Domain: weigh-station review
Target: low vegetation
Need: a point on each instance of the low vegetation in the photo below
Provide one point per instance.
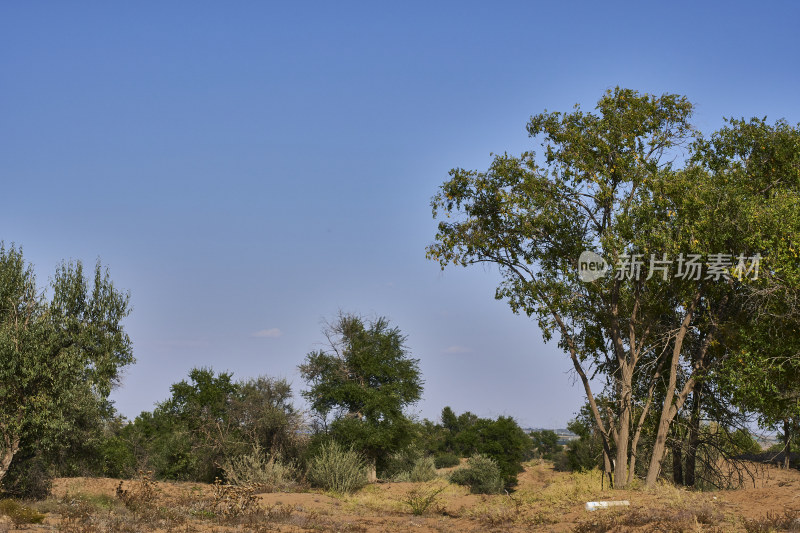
(422, 499)
(446, 460)
(544, 499)
(267, 473)
(20, 514)
(481, 475)
(337, 469)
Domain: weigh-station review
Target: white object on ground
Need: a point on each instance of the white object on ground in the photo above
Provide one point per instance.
(594, 506)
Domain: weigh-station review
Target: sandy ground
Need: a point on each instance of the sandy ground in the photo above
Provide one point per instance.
(544, 501)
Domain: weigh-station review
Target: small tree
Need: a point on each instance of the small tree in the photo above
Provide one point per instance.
(201, 410)
(364, 379)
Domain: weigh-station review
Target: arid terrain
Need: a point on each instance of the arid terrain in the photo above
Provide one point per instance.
(545, 501)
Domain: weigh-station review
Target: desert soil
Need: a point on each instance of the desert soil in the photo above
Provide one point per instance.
(544, 501)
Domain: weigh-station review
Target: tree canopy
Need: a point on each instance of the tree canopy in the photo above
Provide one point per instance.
(59, 357)
(364, 378)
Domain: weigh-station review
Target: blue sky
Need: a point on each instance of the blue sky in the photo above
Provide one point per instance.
(248, 169)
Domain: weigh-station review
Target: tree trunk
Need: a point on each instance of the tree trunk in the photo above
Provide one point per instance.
(621, 462)
(694, 436)
(660, 445)
(787, 439)
(668, 412)
(607, 468)
(677, 464)
(372, 471)
(642, 417)
(573, 355)
(669, 409)
(10, 448)
(632, 462)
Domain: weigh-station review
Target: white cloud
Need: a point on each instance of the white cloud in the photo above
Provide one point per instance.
(456, 350)
(270, 333)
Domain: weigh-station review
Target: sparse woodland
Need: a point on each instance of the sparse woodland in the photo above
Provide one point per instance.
(687, 367)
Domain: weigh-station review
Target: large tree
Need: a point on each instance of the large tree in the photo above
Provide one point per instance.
(608, 182)
(364, 379)
(57, 355)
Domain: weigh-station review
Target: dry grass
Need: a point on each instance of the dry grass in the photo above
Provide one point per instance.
(545, 501)
(422, 499)
(665, 519)
(787, 521)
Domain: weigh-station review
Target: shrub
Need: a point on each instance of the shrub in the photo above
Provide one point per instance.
(141, 495)
(337, 469)
(583, 454)
(19, 514)
(231, 501)
(30, 477)
(481, 475)
(423, 470)
(256, 469)
(446, 460)
(400, 463)
(562, 463)
(502, 440)
(586, 452)
(117, 458)
(788, 521)
(420, 499)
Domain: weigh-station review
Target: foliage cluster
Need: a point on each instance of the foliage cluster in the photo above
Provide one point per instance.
(545, 442)
(360, 384)
(446, 460)
(482, 475)
(19, 513)
(210, 422)
(467, 434)
(62, 350)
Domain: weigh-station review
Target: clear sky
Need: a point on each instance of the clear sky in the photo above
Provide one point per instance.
(248, 169)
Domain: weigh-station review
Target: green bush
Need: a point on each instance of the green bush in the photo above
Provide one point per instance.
(585, 452)
(400, 463)
(423, 470)
(337, 469)
(502, 440)
(446, 460)
(420, 499)
(561, 462)
(30, 476)
(581, 455)
(268, 473)
(19, 514)
(481, 475)
(117, 457)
